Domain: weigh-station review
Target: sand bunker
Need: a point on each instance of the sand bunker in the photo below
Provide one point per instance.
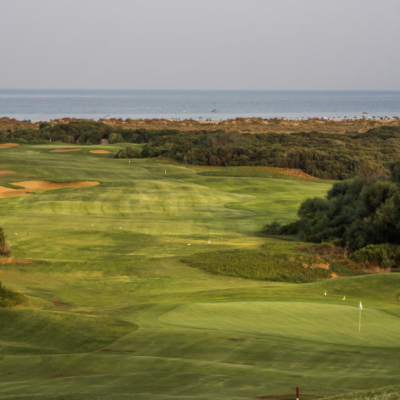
(30, 186)
(63, 150)
(100, 151)
(8, 145)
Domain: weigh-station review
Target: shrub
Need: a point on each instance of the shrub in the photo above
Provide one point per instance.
(387, 254)
(276, 228)
(8, 297)
(5, 249)
(44, 125)
(128, 152)
(345, 270)
(115, 138)
(272, 228)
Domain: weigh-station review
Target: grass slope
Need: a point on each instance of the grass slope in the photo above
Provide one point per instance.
(111, 256)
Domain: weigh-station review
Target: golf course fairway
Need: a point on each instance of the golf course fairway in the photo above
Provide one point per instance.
(112, 312)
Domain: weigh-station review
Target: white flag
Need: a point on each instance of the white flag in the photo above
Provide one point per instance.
(360, 305)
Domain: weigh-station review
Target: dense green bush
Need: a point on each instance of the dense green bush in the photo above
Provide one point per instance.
(354, 214)
(8, 297)
(115, 138)
(276, 228)
(387, 254)
(128, 152)
(5, 249)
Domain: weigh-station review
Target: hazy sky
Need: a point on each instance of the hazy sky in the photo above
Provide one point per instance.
(200, 44)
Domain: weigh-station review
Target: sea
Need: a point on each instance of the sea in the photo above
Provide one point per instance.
(46, 105)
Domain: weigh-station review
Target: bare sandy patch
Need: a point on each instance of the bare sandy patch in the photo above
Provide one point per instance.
(63, 150)
(100, 151)
(57, 303)
(12, 261)
(8, 145)
(5, 172)
(30, 186)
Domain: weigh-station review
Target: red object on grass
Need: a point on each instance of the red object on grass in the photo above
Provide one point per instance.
(297, 392)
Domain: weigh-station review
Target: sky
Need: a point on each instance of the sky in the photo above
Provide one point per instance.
(200, 44)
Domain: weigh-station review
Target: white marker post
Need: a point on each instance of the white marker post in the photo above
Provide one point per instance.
(359, 321)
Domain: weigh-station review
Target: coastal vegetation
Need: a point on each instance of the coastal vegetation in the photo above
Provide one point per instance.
(322, 155)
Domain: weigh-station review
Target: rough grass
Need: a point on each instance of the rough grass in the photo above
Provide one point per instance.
(258, 172)
(386, 393)
(254, 264)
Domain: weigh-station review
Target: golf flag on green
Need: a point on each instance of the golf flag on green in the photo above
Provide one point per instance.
(359, 322)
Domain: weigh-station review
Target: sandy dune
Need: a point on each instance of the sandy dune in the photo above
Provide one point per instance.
(30, 186)
(63, 150)
(8, 145)
(100, 151)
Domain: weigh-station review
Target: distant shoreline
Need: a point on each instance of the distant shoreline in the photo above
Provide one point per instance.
(242, 125)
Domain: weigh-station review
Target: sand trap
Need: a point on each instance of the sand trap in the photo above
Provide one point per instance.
(30, 186)
(100, 151)
(8, 145)
(63, 150)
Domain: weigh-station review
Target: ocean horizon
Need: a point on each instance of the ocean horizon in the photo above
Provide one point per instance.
(50, 104)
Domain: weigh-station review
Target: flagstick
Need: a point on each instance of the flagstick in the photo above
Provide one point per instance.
(359, 322)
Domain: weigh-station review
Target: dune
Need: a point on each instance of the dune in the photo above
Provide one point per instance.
(30, 186)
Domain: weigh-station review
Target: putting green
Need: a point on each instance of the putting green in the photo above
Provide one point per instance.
(326, 323)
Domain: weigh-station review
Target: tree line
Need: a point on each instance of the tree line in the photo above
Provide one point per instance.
(326, 156)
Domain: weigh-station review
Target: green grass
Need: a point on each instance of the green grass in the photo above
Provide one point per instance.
(138, 323)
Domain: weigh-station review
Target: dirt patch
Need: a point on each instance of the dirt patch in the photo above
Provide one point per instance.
(63, 150)
(5, 172)
(57, 303)
(30, 186)
(319, 265)
(8, 145)
(12, 261)
(99, 151)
